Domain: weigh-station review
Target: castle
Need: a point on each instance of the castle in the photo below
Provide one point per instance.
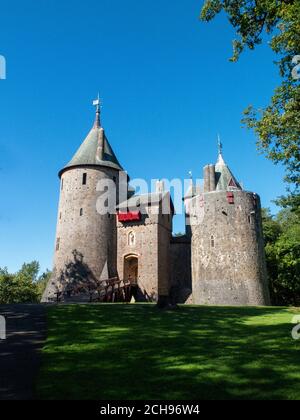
(219, 260)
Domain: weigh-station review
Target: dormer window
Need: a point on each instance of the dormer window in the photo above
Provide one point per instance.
(232, 183)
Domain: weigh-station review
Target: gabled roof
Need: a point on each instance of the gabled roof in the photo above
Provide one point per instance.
(95, 150)
(144, 199)
(224, 177)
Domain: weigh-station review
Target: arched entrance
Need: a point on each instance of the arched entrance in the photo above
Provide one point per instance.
(131, 267)
(131, 270)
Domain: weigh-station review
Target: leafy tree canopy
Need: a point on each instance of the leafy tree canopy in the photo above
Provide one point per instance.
(25, 286)
(282, 235)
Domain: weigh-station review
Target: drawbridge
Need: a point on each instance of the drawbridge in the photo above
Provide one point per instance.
(106, 291)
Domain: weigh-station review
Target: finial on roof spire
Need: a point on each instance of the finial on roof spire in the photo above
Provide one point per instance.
(220, 152)
(97, 104)
(220, 145)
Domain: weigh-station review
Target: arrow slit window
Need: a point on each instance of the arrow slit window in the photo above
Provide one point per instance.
(131, 238)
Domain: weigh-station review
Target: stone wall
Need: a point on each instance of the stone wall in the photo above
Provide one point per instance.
(152, 247)
(84, 238)
(228, 264)
(164, 261)
(181, 276)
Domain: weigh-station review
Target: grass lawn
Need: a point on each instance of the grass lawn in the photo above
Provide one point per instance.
(134, 351)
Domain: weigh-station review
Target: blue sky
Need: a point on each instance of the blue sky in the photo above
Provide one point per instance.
(167, 88)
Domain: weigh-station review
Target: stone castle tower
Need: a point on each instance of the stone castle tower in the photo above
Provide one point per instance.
(144, 243)
(228, 263)
(219, 261)
(86, 241)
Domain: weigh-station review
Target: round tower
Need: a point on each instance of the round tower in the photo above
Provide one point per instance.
(86, 239)
(228, 260)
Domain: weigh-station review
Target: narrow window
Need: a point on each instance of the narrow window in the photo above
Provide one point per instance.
(59, 215)
(81, 212)
(62, 184)
(251, 218)
(131, 239)
(84, 177)
(57, 244)
(212, 241)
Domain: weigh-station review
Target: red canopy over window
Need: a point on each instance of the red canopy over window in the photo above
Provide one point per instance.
(131, 216)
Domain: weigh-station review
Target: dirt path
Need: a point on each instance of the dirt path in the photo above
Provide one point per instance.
(19, 353)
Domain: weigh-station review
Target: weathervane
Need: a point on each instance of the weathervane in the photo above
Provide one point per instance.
(97, 104)
(220, 145)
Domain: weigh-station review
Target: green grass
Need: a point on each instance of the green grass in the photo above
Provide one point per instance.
(138, 352)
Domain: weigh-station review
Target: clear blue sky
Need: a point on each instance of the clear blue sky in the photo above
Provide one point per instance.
(167, 87)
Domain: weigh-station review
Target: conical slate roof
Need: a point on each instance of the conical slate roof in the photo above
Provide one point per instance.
(225, 180)
(95, 150)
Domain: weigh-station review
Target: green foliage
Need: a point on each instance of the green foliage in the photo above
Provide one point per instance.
(278, 125)
(42, 282)
(278, 130)
(271, 228)
(282, 235)
(178, 234)
(291, 202)
(22, 287)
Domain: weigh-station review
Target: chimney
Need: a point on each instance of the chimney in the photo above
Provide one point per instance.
(160, 187)
(206, 179)
(212, 178)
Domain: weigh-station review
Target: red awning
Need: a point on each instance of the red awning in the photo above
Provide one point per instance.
(131, 216)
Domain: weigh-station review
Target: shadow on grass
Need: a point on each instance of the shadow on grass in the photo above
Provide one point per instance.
(138, 352)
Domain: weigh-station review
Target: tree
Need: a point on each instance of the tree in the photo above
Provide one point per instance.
(271, 227)
(42, 282)
(283, 256)
(278, 125)
(21, 287)
(8, 287)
